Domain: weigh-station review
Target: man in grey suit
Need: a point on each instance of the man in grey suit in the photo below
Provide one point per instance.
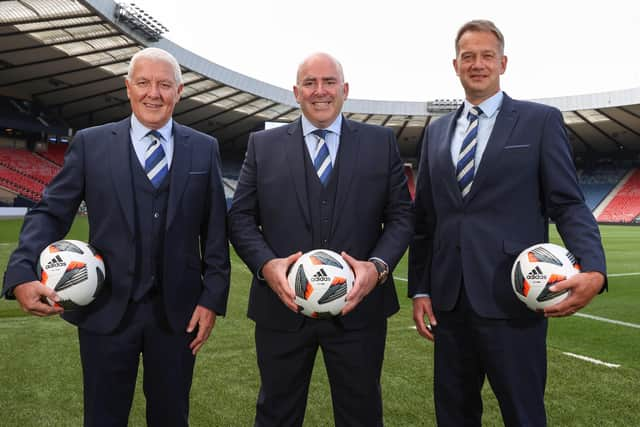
(491, 176)
(157, 215)
(359, 205)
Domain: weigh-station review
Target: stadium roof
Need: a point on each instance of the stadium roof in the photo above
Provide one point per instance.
(70, 57)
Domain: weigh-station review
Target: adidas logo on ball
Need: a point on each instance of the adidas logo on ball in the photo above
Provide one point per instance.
(536, 274)
(57, 261)
(320, 276)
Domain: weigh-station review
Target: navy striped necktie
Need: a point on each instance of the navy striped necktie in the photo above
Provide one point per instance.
(322, 159)
(465, 169)
(155, 161)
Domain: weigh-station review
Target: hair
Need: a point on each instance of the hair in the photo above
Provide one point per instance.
(156, 54)
(483, 25)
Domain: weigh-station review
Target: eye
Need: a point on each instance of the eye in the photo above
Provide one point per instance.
(166, 85)
(142, 84)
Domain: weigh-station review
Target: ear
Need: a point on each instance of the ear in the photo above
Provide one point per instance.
(127, 83)
(345, 89)
(455, 66)
(503, 64)
(296, 93)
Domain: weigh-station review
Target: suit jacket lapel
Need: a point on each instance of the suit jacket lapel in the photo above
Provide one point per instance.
(179, 169)
(506, 120)
(346, 159)
(295, 151)
(120, 168)
(443, 157)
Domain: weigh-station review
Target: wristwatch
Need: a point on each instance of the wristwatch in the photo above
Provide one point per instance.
(382, 268)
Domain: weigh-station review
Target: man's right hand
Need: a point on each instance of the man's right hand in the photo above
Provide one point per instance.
(424, 318)
(32, 297)
(274, 272)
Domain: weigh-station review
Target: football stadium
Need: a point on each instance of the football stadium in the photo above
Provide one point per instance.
(62, 66)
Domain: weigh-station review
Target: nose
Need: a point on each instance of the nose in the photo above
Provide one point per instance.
(154, 90)
(321, 88)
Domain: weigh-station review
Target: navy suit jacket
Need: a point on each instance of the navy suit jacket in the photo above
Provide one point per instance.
(97, 169)
(526, 177)
(270, 215)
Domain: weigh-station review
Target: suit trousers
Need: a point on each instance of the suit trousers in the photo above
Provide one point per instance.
(353, 360)
(511, 353)
(110, 366)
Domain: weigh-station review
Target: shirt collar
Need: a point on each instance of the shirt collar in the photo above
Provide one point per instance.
(139, 131)
(489, 106)
(307, 127)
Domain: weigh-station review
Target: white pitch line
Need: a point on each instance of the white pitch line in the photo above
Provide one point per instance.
(592, 360)
(589, 316)
(604, 319)
(402, 279)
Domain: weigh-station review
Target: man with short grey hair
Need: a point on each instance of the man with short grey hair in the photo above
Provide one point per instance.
(157, 215)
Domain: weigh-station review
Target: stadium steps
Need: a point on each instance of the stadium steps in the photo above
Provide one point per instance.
(622, 205)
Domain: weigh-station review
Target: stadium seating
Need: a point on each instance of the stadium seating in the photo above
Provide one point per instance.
(25, 173)
(55, 153)
(625, 205)
(27, 163)
(597, 183)
(20, 184)
(411, 182)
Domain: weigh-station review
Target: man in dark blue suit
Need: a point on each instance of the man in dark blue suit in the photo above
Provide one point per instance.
(282, 208)
(162, 233)
(480, 201)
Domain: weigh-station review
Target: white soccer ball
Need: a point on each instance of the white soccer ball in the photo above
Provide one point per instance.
(74, 270)
(539, 267)
(321, 280)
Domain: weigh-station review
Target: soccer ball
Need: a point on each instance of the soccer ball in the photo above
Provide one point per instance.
(321, 280)
(74, 270)
(539, 267)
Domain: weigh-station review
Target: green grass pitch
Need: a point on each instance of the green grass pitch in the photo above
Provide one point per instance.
(41, 384)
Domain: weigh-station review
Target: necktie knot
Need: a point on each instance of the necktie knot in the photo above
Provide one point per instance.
(154, 134)
(474, 113)
(321, 133)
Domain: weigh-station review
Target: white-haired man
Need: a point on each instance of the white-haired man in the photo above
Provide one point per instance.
(167, 267)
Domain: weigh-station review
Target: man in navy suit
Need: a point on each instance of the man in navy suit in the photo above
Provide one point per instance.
(281, 209)
(478, 205)
(163, 238)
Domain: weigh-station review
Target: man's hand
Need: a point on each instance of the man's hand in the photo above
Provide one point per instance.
(204, 319)
(423, 317)
(366, 278)
(274, 272)
(32, 297)
(582, 288)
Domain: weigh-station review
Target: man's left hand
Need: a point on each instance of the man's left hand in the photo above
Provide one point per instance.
(366, 278)
(582, 288)
(204, 319)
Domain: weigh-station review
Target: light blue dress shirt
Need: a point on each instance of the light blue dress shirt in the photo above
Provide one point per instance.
(490, 108)
(141, 141)
(332, 140)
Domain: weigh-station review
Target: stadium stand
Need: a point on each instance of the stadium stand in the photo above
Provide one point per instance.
(28, 164)
(597, 183)
(20, 184)
(411, 182)
(54, 153)
(624, 207)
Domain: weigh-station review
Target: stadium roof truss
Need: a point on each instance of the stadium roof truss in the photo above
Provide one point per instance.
(70, 58)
